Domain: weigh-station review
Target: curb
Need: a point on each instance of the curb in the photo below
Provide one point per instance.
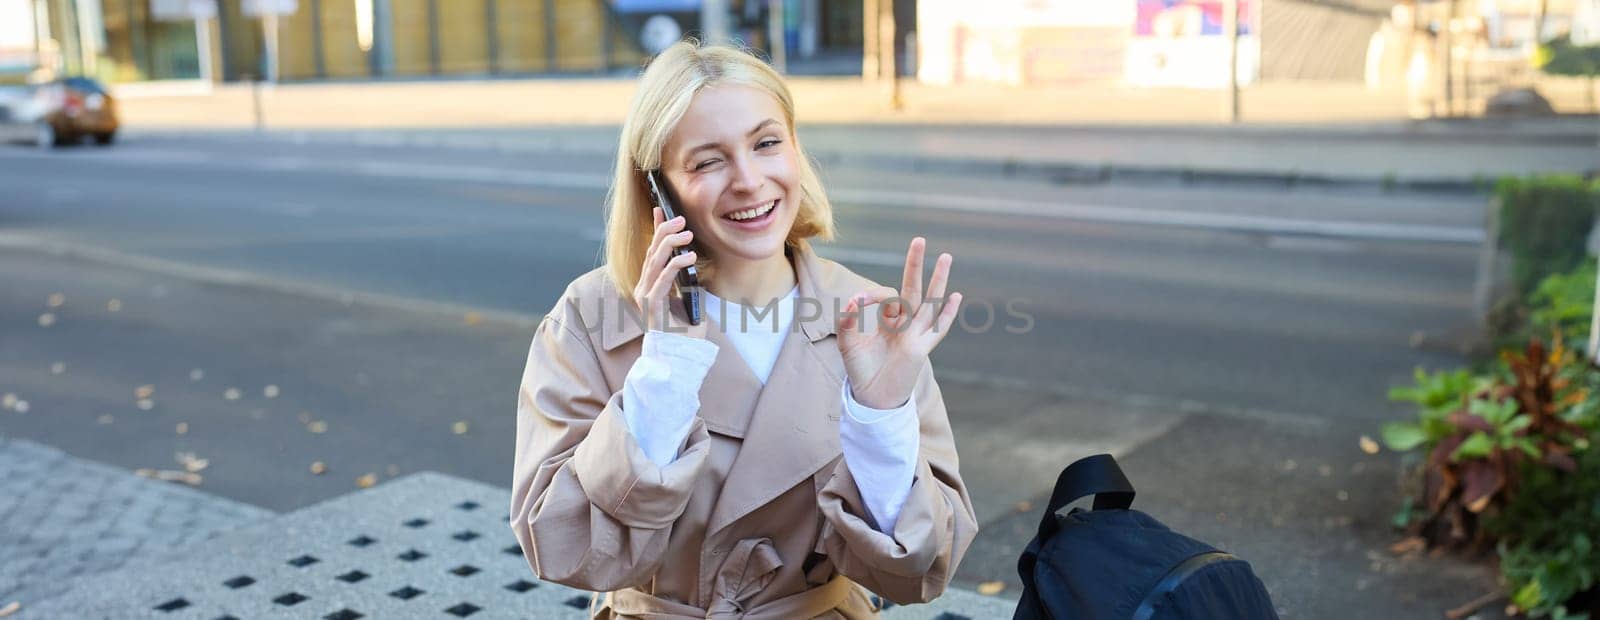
(1106, 174)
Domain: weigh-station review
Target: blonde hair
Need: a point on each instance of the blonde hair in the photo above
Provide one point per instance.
(667, 87)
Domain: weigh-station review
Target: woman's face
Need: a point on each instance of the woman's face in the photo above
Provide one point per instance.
(732, 156)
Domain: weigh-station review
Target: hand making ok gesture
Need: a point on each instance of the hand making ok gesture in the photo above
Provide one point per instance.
(883, 364)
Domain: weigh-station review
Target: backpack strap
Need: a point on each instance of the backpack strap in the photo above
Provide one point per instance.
(1096, 475)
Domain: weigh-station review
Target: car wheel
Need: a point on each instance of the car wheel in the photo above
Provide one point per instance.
(44, 136)
(105, 139)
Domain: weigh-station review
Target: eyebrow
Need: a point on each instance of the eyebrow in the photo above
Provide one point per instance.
(709, 145)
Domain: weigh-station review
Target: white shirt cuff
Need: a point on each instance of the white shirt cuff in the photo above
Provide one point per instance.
(661, 394)
(880, 446)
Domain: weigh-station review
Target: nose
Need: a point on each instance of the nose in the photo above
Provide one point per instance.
(746, 176)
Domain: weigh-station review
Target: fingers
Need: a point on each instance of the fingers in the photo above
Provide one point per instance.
(663, 280)
(662, 243)
(860, 301)
(941, 275)
(911, 282)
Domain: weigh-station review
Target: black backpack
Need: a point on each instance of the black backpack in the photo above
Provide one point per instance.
(1114, 562)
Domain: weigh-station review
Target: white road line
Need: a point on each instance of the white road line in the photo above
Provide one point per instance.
(1030, 208)
(862, 257)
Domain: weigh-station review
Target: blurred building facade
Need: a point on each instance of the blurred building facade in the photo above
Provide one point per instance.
(1168, 43)
(228, 40)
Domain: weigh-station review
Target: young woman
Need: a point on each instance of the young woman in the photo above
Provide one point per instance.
(778, 457)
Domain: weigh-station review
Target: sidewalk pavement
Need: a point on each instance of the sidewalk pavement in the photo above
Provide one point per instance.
(100, 543)
(1295, 135)
(65, 518)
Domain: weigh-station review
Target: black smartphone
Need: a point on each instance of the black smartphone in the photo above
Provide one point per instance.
(688, 277)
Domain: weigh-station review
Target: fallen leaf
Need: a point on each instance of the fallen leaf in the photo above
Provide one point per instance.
(106, 419)
(473, 318)
(197, 374)
(56, 299)
(305, 417)
(991, 588)
(231, 394)
(1024, 506)
(144, 391)
(1368, 445)
(319, 468)
(1409, 545)
(183, 428)
(168, 475)
(367, 481)
(318, 427)
(115, 305)
(47, 319)
(270, 391)
(190, 462)
(1343, 496)
(8, 400)
(146, 404)
(460, 428)
(10, 608)
(20, 407)
(58, 368)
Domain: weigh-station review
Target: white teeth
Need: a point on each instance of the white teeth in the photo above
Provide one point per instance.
(752, 213)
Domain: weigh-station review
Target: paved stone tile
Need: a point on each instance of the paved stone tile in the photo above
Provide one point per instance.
(63, 517)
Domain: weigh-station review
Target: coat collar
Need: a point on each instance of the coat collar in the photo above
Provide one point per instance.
(821, 282)
(789, 426)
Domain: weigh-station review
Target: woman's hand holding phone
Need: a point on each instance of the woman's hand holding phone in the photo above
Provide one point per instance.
(661, 267)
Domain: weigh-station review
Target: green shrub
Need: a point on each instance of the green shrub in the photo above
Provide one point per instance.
(1564, 303)
(1544, 224)
(1550, 537)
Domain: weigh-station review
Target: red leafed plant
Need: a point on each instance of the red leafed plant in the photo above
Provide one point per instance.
(1476, 448)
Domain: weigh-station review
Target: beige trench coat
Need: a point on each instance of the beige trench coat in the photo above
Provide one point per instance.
(759, 516)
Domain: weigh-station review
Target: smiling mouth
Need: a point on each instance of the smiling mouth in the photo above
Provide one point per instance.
(752, 215)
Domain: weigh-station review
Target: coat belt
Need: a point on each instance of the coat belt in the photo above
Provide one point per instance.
(748, 569)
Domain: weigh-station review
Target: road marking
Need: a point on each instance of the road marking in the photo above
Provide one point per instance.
(862, 257)
(1030, 208)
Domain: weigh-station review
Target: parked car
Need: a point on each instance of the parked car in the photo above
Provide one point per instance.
(62, 111)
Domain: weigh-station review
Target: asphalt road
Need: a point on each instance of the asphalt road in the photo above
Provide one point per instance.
(1231, 359)
(1280, 322)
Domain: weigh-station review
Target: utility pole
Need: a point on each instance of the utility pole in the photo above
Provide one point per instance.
(269, 34)
(1450, 61)
(1231, 27)
(886, 55)
(869, 40)
(1594, 323)
(714, 21)
(779, 45)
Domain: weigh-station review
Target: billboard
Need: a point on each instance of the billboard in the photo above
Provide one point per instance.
(18, 51)
(1183, 43)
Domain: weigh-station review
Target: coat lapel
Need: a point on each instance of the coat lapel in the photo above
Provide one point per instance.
(729, 394)
(790, 426)
(794, 428)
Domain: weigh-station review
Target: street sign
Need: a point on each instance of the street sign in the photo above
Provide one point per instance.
(260, 8)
